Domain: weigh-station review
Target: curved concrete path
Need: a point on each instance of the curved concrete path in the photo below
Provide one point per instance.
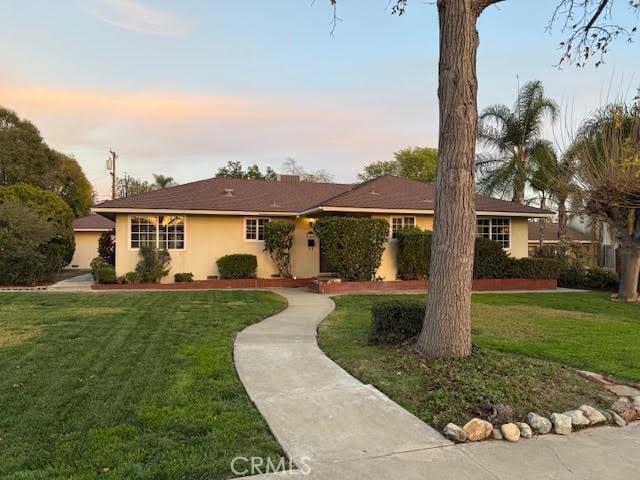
(318, 412)
(342, 429)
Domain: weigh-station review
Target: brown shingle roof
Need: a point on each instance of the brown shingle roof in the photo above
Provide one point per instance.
(93, 222)
(551, 233)
(230, 194)
(389, 192)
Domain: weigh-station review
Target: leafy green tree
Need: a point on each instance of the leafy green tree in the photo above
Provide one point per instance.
(25, 158)
(127, 186)
(70, 182)
(514, 141)
(55, 212)
(163, 181)
(236, 170)
(416, 163)
(23, 153)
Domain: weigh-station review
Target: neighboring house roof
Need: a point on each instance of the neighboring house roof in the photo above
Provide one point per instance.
(93, 223)
(552, 234)
(238, 196)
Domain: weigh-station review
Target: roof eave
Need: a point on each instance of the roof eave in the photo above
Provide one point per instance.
(324, 208)
(116, 210)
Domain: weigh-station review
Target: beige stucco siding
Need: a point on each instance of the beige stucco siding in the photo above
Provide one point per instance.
(86, 249)
(209, 237)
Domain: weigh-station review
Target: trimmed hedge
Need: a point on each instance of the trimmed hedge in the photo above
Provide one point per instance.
(278, 241)
(353, 245)
(394, 321)
(239, 265)
(414, 253)
(591, 279)
(490, 259)
(154, 264)
(102, 271)
(183, 277)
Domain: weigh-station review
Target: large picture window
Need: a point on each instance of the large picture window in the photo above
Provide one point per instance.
(401, 222)
(164, 231)
(496, 229)
(254, 228)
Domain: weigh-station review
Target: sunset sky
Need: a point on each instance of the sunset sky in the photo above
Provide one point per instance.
(179, 88)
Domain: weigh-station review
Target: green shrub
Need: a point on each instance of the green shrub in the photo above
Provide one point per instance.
(601, 279)
(278, 240)
(414, 253)
(534, 268)
(183, 277)
(107, 246)
(102, 271)
(58, 249)
(23, 266)
(393, 321)
(490, 260)
(572, 276)
(132, 278)
(353, 245)
(154, 264)
(239, 265)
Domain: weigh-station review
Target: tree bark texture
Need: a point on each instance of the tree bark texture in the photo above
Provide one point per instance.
(630, 271)
(446, 331)
(562, 218)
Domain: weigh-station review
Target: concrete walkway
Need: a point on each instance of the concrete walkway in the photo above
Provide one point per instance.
(81, 283)
(335, 427)
(318, 412)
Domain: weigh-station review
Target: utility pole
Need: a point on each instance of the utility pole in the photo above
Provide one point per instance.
(111, 166)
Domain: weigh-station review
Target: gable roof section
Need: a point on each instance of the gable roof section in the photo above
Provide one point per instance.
(552, 233)
(232, 195)
(389, 193)
(238, 196)
(93, 223)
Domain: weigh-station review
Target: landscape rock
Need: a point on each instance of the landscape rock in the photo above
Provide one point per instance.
(636, 401)
(578, 418)
(629, 414)
(561, 423)
(511, 432)
(497, 434)
(621, 405)
(454, 433)
(538, 423)
(615, 418)
(477, 429)
(525, 430)
(595, 416)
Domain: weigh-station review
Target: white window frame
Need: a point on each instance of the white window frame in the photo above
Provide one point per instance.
(157, 245)
(491, 219)
(257, 219)
(403, 218)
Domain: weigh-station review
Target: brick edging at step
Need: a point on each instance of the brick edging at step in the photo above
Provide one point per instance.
(212, 284)
(329, 287)
(409, 285)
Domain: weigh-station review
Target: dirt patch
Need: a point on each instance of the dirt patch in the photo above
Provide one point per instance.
(14, 337)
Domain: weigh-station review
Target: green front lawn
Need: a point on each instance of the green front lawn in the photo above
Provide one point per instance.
(524, 345)
(127, 385)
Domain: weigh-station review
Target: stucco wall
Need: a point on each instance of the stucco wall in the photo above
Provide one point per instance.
(209, 237)
(86, 249)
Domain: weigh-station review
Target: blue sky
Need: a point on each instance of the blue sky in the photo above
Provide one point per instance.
(181, 87)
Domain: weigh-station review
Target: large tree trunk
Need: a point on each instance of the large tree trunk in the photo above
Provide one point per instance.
(446, 331)
(630, 270)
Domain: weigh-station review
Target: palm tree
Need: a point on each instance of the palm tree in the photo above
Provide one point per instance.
(513, 138)
(162, 181)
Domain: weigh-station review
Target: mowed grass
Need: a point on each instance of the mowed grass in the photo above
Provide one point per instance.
(526, 349)
(127, 385)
